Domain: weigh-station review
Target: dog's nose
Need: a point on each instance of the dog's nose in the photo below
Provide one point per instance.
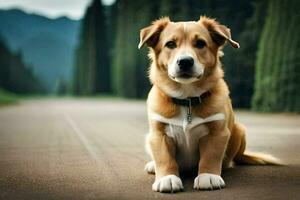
(186, 63)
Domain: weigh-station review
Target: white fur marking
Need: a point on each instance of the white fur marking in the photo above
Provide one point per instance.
(150, 167)
(185, 81)
(169, 183)
(183, 92)
(206, 181)
(181, 120)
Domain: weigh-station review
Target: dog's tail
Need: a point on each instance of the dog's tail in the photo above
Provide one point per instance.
(257, 159)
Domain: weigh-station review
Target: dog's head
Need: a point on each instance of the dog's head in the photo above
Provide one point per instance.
(185, 51)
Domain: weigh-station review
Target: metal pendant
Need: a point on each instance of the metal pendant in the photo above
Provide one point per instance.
(189, 113)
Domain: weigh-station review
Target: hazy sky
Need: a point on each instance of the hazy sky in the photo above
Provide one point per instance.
(51, 8)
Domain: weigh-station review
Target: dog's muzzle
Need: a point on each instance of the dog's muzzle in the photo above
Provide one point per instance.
(185, 67)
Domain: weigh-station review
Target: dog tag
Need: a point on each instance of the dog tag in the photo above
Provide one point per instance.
(189, 113)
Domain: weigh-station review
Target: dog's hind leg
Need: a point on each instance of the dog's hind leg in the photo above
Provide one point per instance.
(236, 144)
(236, 150)
(150, 167)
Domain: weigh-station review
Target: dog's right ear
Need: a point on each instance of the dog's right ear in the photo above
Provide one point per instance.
(150, 34)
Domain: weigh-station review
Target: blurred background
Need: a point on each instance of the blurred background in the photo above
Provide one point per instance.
(89, 48)
(54, 144)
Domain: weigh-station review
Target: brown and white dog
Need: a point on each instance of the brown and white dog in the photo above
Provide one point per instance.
(192, 123)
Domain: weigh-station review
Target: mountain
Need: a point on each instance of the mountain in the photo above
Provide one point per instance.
(45, 44)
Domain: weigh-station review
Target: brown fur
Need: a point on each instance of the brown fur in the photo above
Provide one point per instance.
(225, 142)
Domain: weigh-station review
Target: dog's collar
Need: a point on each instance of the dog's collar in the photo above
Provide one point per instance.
(191, 101)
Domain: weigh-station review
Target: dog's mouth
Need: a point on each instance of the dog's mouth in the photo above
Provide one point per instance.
(186, 76)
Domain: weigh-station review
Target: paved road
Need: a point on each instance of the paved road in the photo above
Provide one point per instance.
(92, 149)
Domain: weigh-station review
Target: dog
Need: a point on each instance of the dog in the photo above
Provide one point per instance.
(191, 120)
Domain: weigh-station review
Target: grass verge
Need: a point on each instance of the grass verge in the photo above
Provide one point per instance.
(7, 98)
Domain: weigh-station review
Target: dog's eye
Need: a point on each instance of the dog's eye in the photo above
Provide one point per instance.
(171, 45)
(200, 44)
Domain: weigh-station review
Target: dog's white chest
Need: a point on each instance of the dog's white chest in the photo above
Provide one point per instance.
(186, 135)
(187, 144)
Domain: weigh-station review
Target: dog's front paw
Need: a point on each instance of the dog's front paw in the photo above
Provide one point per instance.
(170, 183)
(205, 181)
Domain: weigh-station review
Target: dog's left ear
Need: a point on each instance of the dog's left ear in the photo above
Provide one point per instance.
(150, 34)
(219, 33)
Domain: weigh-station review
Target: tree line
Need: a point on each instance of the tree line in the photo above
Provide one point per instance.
(108, 61)
(277, 77)
(15, 76)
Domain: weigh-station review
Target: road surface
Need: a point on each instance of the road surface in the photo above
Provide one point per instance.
(94, 149)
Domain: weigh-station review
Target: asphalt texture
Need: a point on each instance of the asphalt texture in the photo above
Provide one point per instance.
(94, 149)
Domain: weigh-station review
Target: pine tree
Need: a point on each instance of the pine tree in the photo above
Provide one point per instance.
(277, 67)
(61, 87)
(15, 76)
(129, 64)
(243, 85)
(92, 71)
